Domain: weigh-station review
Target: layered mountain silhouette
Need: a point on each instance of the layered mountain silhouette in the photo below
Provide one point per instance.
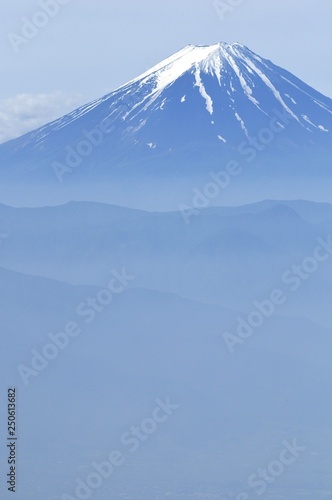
(224, 310)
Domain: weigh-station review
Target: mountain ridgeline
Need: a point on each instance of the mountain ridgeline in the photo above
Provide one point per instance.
(194, 112)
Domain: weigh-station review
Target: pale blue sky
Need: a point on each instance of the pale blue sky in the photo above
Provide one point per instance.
(90, 47)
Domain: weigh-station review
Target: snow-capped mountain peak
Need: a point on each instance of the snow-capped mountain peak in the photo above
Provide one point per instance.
(239, 73)
(209, 58)
(208, 98)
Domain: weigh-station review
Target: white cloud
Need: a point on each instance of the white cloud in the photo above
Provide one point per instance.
(25, 112)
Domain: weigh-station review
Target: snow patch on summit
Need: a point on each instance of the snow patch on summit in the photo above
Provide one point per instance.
(204, 94)
(163, 104)
(169, 70)
(275, 92)
(244, 128)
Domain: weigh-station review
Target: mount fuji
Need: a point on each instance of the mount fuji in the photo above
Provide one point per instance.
(193, 112)
(221, 312)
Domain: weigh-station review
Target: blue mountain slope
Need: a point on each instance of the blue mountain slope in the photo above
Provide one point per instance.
(195, 110)
(148, 345)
